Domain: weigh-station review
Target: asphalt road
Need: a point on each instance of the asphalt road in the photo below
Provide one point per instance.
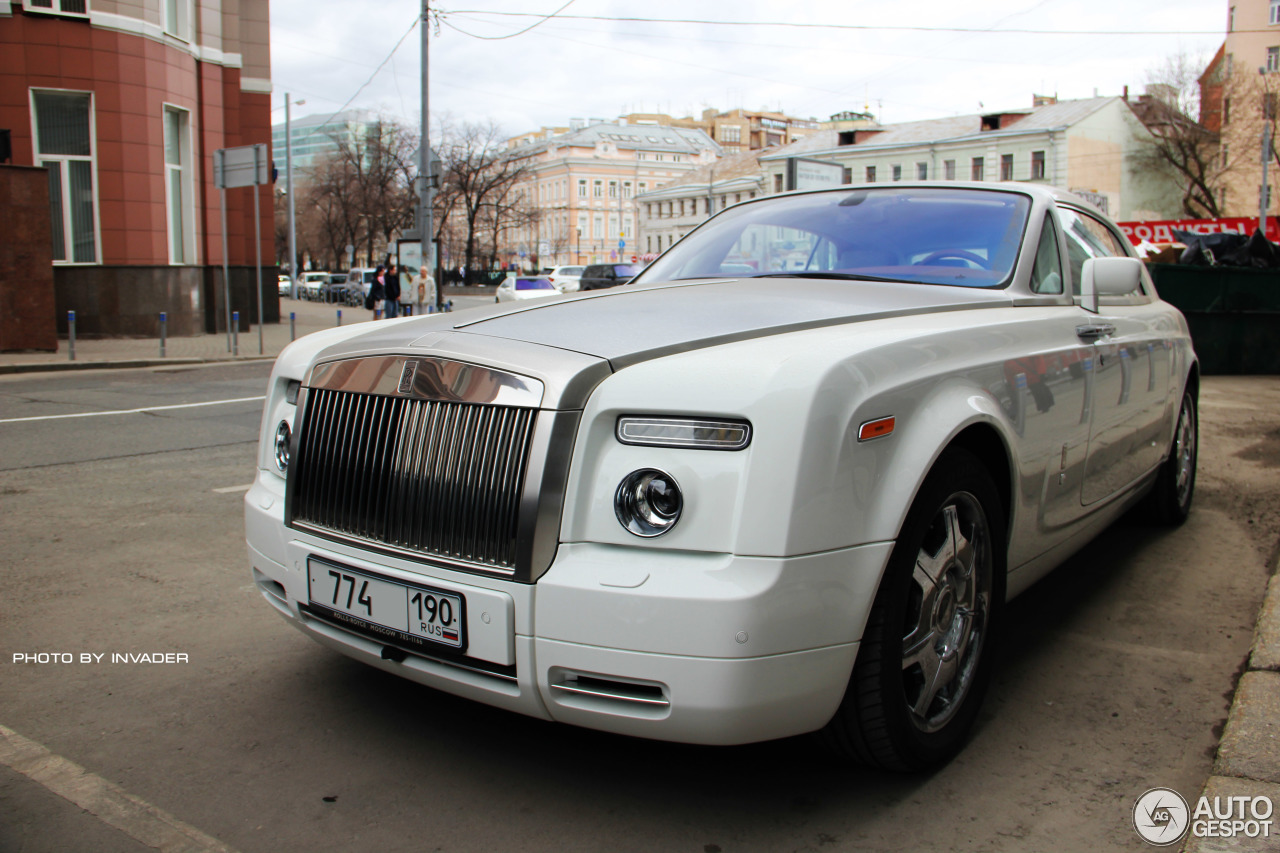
(122, 534)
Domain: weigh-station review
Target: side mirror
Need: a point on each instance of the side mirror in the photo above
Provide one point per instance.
(1108, 277)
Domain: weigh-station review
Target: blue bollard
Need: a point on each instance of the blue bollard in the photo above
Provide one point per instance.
(339, 316)
(71, 333)
(235, 333)
(164, 322)
(293, 328)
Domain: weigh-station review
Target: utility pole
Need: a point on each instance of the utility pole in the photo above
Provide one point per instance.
(424, 168)
(288, 179)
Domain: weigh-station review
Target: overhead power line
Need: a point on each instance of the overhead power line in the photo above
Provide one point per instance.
(542, 20)
(862, 27)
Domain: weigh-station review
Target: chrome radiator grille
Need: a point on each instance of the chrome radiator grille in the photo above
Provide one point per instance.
(429, 477)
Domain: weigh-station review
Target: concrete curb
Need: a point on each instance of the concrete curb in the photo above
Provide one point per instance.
(57, 366)
(1248, 761)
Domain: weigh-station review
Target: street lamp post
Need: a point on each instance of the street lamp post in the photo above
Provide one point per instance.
(288, 179)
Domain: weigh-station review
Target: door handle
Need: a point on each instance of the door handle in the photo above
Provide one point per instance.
(1089, 331)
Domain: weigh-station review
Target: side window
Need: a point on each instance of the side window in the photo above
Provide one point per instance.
(1087, 238)
(1046, 275)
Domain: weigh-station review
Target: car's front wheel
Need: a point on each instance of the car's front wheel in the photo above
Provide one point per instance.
(924, 661)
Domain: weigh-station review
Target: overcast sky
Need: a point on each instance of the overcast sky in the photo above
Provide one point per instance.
(902, 60)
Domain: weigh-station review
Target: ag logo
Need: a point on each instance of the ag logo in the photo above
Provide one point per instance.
(1160, 816)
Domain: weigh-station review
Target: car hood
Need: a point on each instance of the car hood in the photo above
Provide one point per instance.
(571, 343)
(636, 323)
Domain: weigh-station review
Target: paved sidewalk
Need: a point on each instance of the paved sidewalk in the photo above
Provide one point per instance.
(1248, 762)
(91, 353)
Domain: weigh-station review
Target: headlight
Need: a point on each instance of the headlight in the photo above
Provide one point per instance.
(696, 433)
(648, 502)
(283, 435)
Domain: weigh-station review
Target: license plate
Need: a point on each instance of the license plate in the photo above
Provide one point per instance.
(385, 608)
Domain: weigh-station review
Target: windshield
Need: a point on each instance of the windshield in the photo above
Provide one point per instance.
(534, 284)
(964, 237)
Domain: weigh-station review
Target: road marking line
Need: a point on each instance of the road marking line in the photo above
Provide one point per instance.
(226, 490)
(105, 800)
(132, 411)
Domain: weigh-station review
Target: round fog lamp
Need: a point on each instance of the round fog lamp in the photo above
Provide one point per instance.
(282, 446)
(648, 502)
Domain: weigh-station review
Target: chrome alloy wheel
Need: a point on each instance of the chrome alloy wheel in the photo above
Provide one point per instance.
(1184, 450)
(948, 612)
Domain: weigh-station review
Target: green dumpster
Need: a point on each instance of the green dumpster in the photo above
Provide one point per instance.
(1234, 315)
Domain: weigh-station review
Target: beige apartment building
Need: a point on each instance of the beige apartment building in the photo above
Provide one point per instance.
(1088, 146)
(582, 186)
(737, 129)
(672, 211)
(1239, 92)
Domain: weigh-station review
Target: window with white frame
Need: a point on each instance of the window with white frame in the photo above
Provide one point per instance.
(58, 7)
(177, 18)
(871, 174)
(1273, 58)
(598, 227)
(613, 189)
(64, 145)
(1274, 17)
(949, 169)
(597, 189)
(582, 188)
(177, 185)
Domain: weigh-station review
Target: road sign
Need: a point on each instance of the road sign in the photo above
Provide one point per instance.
(235, 167)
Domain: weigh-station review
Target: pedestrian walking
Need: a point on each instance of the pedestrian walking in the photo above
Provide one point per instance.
(426, 290)
(377, 293)
(391, 290)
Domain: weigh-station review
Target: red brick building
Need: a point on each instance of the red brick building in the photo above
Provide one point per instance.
(125, 102)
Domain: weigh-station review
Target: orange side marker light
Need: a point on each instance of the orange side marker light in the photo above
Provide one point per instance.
(878, 428)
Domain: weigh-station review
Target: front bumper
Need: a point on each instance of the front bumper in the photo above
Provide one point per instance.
(710, 649)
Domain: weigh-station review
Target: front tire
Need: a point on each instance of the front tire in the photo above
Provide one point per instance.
(924, 661)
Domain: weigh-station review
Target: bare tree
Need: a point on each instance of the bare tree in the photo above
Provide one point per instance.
(477, 177)
(1196, 151)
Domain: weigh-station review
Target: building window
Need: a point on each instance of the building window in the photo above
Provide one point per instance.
(1269, 105)
(177, 17)
(1273, 58)
(613, 189)
(871, 174)
(1006, 167)
(626, 189)
(582, 189)
(1231, 17)
(64, 146)
(1226, 110)
(949, 169)
(731, 133)
(58, 7)
(597, 232)
(177, 185)
(597, 189)
(978, 170)
(1274, 18)
(897, 172)
(1037, 165)
(777, 183)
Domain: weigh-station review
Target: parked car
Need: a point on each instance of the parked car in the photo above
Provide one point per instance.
(311, 284)
(334, 289)
(362, 277)
(717, 508)
(516, 287)
(565, 278)
(597, 276)
(285, 284)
